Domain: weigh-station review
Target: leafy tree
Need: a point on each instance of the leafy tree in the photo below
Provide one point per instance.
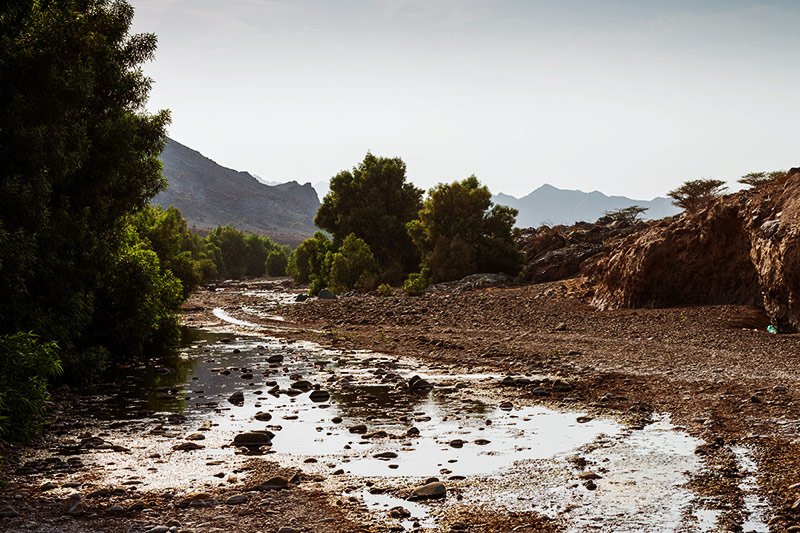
(352, 266)
(307, 262)
(694, 194)
(625, 215)
(754, 179)
(460, 232)
(276, 263)
(374, 202)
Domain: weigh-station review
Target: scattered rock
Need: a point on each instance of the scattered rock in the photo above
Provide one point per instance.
(115, 510)
(429, 491)
(301, 298)
(358, 428)
(399, 512)
(456, 443)
(560, 385)
(263, 417)
(254, 438)
(237, 398)
(506, 406)
(275, 483)
(385, 455)
(237, 499)
(417, 383)
(320, 396)
(325, 294)
(187, 447)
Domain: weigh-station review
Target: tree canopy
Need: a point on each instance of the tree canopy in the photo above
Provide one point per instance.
(374, 202)
(694, 194)
(460, 232)
(754, 179)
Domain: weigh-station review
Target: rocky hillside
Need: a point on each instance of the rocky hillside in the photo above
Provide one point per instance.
(743, 248)
(210, 195)
(553, 206)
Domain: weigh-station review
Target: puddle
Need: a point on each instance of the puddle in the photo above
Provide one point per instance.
(756, 508)
(519, 459)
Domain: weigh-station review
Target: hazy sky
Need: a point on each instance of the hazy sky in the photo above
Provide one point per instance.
(623, 96)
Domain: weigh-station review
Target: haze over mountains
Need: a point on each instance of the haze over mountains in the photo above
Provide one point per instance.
(553, 206)
(210, 195)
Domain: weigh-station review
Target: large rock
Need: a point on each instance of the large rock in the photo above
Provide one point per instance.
(742, 248)
(429, 491)
(254, 438)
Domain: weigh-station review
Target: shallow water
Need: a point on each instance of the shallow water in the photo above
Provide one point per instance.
(519, 459)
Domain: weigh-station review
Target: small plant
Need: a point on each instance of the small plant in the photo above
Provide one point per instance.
(384, 290)
(416, 283)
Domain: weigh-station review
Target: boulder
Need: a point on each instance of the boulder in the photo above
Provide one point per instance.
(429, 491)
(254, 438)
(237, 398)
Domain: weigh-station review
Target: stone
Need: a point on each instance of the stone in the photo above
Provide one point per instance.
(399, 512)
(419, 384)
(237, 398)
(302, 385)
(263, 417)
(286, 529)
(48, 486)
(275, 359)
(429, 491)
(320, 396)
(238, 499)
(506, 406)
(301, 298)
(254, 438)
(456, 443)
(482, 442)
(325, 294)
(358, 428)
(560, 385)
(158, 529)
(412, 431)
(187, 447)
(275, 483)
(196, 436)
(385, 455)
(589, 475)
(115, 510)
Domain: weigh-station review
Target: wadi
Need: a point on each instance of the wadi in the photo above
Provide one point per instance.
(185, 347)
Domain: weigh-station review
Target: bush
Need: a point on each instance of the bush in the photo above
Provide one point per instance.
(307, 262)
(352, 266)
(25, 365)
(416, 283)
(384, 290)
(755, 179)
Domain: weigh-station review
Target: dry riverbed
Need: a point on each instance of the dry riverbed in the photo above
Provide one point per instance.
(516, 409)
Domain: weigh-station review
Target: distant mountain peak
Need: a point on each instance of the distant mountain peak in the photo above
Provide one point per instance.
(551, 205)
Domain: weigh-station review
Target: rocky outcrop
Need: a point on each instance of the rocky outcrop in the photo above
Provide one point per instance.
(559, 252)
(743, 248)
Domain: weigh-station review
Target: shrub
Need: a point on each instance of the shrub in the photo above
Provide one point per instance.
(384, 290)
(25, 365)
(755, 179)
(351, 266)
(416, 283)
(307, 261)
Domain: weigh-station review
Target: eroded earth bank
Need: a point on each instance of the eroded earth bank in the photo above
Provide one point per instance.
(497, 409)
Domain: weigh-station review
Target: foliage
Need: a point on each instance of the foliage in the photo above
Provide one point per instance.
(417, 282)
(25, 365)
(625, 215)
(351, 266)
(384, 290)
(374, 202)
(754, 179)
(276, 263)
(307, 262)
(694, 194)
(460, 232)
(237, 254)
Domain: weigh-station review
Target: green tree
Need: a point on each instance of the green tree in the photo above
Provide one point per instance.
(78, 153)
(460, 232)
(625, 215)
(755, 179)
(276, 262)
(307, 262)
(374, 202)
(352, 266)
(695, 194)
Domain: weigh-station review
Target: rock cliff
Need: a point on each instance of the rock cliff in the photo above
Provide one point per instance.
(742, 248)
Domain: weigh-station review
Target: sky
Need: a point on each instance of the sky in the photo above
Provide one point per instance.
(628, 97)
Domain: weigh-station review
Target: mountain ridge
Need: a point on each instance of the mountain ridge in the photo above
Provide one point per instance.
(550, 205)
(210, 195)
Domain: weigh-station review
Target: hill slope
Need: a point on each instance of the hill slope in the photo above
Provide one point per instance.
(555, 206)
(210, 195)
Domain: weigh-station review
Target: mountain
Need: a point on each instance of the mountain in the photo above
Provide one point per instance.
(553, 206)
(210, 195)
